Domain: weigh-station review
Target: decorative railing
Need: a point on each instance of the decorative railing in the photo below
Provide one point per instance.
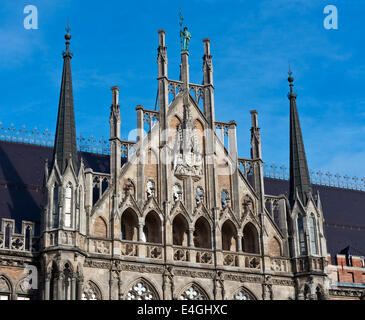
(194, 255)
(101, 146)
(46, 138)
(236, 259)
(278, 264)
(308, 264)
(100, 246)
(154, 251)
(127, 148)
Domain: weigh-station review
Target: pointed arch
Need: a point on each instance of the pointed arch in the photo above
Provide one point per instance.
(129, 225)
(275, 247)
(152, 227)
(141, 289)
(202, 233)
(6, 288)
(174, 123)
(193, 291)
(151, 170)
(200, 134)
(243, 294)
(91, 291)
(250, 239)
(180, 230)
(100, 228)
(229, 236)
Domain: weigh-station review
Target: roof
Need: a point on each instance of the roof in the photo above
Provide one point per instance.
(21, 179)
(344, 214)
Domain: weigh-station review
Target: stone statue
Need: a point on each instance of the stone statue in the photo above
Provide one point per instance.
(185, 38)
(184, 35)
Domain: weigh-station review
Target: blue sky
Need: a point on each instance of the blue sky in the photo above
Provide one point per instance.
(115, 42)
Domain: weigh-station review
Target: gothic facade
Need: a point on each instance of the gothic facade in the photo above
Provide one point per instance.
(179, 215)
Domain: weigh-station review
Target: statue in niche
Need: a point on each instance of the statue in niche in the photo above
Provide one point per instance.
(150, 189)
(187, 156)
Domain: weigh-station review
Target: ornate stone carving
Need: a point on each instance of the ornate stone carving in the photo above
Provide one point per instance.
(101, 247)
(97, 264)
(242, 278)
(194, 274)
(141, 268)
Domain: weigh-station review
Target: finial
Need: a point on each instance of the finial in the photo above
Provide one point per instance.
(290, 79)
(67, 53)
(291, 94)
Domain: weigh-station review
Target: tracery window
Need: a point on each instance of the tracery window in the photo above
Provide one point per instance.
(313, 233)
(4, 289)
(55, 207)
(90, 292)
(301, 237)
(193, 292)
(68, 206)
(243, 294)
(141, 290)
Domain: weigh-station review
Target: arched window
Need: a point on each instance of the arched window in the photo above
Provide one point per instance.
(193, 292)
(55, 217)
(180, 231)
(250, 239)
(5, 289)
(142, 290)
(152, 228)
(229, 236)
(243, 294)
(91, 292)
(7, 236)
(313, 234)
(129, 225)
(27, 238)
(202, 234)
(301, 237)
(68, 205)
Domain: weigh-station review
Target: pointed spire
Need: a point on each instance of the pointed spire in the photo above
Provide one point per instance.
(300, 185)
(65, 140)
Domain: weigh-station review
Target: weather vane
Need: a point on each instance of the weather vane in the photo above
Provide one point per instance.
(68, 26)
(184, 35)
